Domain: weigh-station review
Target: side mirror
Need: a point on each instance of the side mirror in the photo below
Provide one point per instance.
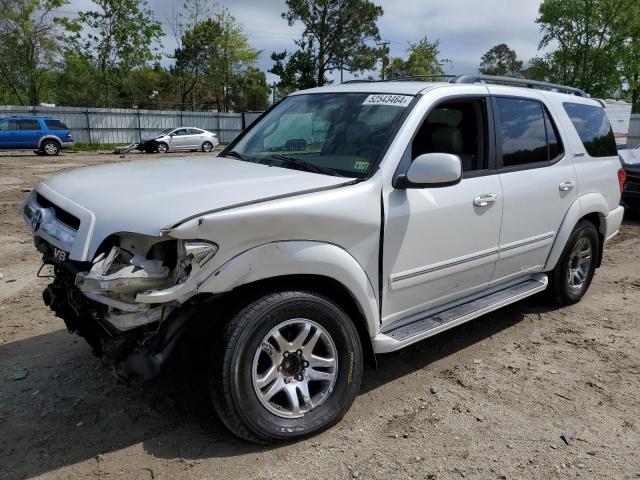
(432, 170)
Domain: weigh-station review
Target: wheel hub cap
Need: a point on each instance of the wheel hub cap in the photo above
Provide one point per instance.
(294, 368)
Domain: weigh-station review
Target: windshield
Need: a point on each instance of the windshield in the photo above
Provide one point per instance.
(166, 131)
(332, 133)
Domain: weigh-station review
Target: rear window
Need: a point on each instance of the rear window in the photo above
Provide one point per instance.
(29, 125)
(55, 125)
(594, 129)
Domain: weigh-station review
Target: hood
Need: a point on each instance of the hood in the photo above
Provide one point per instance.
(630, 158)
(147, 195)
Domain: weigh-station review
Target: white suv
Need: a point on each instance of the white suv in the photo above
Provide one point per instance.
(348, 221)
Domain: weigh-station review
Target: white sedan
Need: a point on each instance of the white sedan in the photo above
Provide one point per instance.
(182, 138)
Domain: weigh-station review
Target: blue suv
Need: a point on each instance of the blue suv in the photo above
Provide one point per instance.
(47, 135)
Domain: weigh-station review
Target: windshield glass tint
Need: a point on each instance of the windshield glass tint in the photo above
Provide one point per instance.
(345, 132)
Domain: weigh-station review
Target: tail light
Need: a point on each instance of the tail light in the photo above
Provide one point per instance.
(622, 177)
(70, 135)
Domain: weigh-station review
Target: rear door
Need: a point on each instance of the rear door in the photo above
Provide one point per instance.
(9, 134)
(539, 183)
(196, 137)
(30, 133)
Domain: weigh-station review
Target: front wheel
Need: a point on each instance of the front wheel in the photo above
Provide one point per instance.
(572, 276)
(290, 365)
(162, 147)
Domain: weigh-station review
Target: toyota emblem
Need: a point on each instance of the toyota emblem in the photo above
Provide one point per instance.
(36, 219)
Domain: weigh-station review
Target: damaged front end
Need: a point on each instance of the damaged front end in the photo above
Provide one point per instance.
(132, 302)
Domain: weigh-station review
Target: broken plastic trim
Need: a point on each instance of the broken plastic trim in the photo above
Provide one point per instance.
(122, 272)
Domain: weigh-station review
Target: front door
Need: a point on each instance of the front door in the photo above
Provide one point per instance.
(179, 139)
(9, 134)
(539, 184)
(441, 244)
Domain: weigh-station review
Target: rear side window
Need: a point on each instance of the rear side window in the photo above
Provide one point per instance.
(527, 133)
(29, 125)
(594, 129)
(55, 125)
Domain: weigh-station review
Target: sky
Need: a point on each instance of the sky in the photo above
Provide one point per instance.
(466, 28)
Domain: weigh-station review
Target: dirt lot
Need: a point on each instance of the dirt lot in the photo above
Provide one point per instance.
(508, 385)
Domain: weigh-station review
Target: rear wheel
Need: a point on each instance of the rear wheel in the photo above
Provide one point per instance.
(572, 276)
(50, 147)
(207, 147)
(290, 365)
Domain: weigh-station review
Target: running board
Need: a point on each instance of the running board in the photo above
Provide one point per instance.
(434, 322)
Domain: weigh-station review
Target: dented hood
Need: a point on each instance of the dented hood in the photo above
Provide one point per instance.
(148, 195)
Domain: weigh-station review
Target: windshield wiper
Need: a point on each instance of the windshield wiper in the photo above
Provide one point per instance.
(239, 155)
(307, 165)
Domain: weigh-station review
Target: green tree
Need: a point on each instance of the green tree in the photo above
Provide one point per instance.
(296, 70)
(251, 92)
(219, 50)
(189, 58)
(630, 57)
(118, 37)
(339, 31)
(501, 61)
(423, 59)
(589, 39)
(29, 49)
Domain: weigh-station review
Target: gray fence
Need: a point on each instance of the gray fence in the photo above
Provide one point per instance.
(124, 126)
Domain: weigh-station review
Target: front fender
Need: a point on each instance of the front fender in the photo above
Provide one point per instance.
(284, 258)
(583, 206)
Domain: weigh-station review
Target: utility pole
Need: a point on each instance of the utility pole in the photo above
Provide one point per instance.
(274, 88)
(385, 57)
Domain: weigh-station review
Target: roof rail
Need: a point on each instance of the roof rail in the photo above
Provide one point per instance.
(519, 82)
(358, 80)
(418, 78)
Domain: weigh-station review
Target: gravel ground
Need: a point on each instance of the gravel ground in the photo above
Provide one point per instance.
(506, 388)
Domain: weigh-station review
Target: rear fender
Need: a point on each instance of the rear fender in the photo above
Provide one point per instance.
(591, 203)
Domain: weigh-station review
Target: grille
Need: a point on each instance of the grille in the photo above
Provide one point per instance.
(62, 215)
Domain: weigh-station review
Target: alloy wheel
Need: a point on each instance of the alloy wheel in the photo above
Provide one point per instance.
(294, 368)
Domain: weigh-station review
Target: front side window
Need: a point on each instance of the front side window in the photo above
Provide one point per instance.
(334, 133)
(594, 129)
(29, 125)
(456, 127)
(180, 132)
(527, 133)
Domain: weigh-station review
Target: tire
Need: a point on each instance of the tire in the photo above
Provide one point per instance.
(571, 277)
(244, 358)
(162, 147)
(207, 147)
(50, 148)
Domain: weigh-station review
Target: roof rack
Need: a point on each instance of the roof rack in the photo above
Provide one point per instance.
(519, 82)
(418, 78)
(407, 78)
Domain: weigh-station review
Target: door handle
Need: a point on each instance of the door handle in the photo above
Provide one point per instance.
(485, 200)
(566, 186)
